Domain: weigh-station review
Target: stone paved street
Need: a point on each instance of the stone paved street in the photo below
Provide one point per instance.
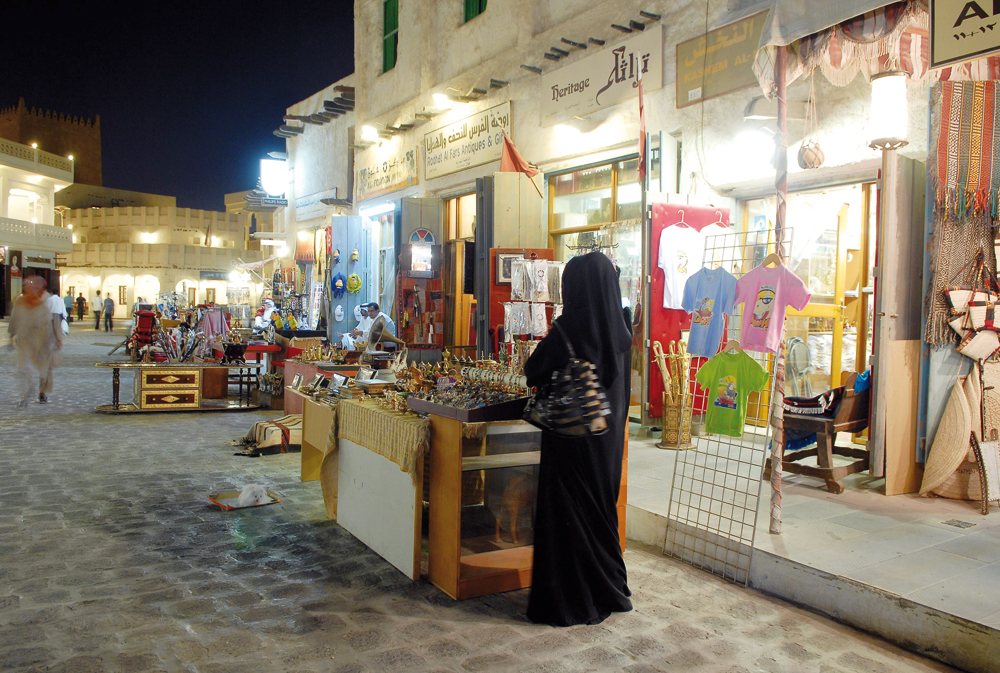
(111, 559)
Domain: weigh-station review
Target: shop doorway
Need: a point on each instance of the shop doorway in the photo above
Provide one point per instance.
(833, 252)
(459, 266)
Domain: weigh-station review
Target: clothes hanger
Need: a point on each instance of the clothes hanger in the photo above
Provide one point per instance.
(681, 222)
(773, 258)
(732, 346)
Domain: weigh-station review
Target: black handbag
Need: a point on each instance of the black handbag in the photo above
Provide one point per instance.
(573, 403)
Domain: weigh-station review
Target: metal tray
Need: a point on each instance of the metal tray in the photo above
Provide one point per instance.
(507, 411)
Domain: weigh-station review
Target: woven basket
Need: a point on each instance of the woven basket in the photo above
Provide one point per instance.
(951, 441)
(963, 484)
(676, 426)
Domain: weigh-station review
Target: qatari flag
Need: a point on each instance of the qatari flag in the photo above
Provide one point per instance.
(511, 160)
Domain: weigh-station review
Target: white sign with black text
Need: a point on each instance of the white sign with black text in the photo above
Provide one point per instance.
(606, 78)
(469, 142)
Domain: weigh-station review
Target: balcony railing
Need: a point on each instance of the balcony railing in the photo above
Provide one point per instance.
(22, 235)
(39, 161)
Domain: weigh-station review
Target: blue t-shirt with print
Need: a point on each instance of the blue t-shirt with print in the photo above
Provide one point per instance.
(708, 296)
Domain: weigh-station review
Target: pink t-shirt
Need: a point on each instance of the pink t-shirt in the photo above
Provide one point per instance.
(764, 293)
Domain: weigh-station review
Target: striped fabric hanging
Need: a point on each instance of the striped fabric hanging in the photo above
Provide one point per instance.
(965, 163)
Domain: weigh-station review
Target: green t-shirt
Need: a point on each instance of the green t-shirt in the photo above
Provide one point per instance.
(729, 379)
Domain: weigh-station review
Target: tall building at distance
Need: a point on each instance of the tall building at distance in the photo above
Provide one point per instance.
(77, 138)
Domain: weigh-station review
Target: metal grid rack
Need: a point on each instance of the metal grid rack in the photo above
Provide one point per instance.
(716, 487)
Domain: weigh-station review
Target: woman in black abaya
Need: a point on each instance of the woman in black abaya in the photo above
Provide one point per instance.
(579, 574)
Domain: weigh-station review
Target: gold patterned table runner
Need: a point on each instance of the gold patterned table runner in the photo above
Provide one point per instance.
(402, 438)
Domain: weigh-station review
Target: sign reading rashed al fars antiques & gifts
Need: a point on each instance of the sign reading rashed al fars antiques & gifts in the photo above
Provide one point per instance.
(719, 62)
(473, 141)
(606, 78)
(391, 173)
(963, 30)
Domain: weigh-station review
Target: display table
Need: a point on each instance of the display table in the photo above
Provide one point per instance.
(379, 492)
(187, 386)
(293, 403)
(254, 350)
(317, 420)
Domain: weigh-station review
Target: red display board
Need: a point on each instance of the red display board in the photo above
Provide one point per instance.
(500, 293)
(665, 325)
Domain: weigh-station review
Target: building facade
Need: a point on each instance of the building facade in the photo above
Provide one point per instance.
(143, 251)
(29, 242)
(78, 138)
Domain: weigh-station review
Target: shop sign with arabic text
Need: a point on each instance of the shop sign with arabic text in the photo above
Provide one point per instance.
(718, 62)
(473, 141)
(396, 172)
(604, 79)
(963, 30)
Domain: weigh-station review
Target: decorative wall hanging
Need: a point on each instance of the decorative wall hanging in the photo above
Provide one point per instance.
(339, 284)
(354, 283)
(810, 153)
(338, 313)
(336, 256)
(965, 188)
(354, 255)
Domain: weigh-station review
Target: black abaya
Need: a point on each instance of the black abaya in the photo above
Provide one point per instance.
(579, 573)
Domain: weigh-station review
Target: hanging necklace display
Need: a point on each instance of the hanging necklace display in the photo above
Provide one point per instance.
(810, 153)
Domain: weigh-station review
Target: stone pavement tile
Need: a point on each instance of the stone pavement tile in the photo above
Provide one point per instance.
(111, 560)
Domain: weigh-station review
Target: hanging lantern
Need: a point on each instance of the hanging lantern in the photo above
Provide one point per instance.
(888, 122)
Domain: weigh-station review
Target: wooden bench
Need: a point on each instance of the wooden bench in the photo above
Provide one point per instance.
(851, 416)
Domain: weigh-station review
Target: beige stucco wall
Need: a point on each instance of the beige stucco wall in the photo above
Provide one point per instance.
(437, 51)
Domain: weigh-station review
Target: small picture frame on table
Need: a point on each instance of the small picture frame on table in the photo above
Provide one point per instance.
(365, 374)
(336, 382)
(316, 380)
(297, 381)
(505, 262)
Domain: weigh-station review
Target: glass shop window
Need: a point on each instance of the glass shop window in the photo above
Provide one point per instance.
(123, 295)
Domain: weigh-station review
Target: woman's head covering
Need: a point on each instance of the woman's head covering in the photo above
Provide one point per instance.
(592, 314)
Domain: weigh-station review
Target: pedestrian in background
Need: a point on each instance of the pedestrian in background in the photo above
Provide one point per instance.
(80, 303)
(98, 308)
(109, 313)
(68, 305)
(36, 334)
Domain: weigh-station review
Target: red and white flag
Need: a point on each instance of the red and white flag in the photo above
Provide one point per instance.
(642, 136)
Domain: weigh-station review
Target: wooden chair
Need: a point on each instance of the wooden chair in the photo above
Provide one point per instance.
(851, 416)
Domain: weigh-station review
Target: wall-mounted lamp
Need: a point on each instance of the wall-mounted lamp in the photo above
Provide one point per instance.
(369, 134)
(888, 121)
(442, 101)
(274, 176)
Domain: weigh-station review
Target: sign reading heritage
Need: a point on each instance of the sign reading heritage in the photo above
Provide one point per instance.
(963, 30)
(469, 142)
(396, 172)
(718, 62)
(607, 78)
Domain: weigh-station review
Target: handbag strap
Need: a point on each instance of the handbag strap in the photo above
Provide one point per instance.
(569, 346)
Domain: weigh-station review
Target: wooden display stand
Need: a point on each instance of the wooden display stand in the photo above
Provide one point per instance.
(187, 386)
(851, 416)
(472, 575)
(316, 421)
(468, 576)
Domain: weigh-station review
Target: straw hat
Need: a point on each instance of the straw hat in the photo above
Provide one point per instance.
(951, 443)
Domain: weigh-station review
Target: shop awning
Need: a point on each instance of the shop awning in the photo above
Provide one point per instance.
(843, 39)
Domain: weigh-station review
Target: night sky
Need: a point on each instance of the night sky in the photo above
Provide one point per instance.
(188, 94)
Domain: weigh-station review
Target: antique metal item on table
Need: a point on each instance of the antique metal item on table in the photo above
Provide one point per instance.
(234, 353)
(573, 403)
